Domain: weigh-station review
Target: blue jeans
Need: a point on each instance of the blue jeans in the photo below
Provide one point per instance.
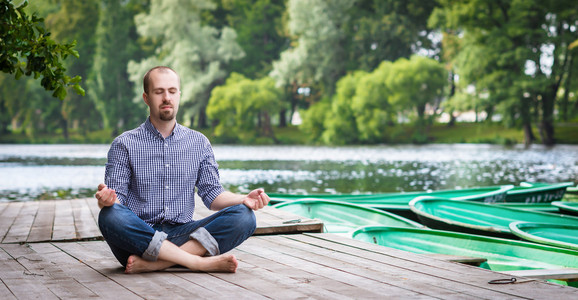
(127, 234)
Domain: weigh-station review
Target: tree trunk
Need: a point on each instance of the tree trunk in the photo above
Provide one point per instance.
(283, 118)
(527, 122)
(565, 99)
(202, 118)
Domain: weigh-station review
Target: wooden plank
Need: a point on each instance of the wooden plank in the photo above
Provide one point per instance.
(89, 278)
(94, 209)
(8, 216)
(149, 285)
(22, 223)
(64, 228)
(42, 227)
(476, 277)
(53, 276)
(84, 221)
(297, 272)
(270, 220)
(22, 283)
(568, 274)
(388, 275)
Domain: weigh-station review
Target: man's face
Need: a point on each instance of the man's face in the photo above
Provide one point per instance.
(164, 95)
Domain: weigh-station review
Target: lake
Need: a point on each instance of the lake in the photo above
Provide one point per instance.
(32, 172)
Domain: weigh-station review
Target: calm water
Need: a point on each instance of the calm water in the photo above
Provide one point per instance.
(29, 172)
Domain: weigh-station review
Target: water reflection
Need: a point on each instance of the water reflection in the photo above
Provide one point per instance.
(30, 172)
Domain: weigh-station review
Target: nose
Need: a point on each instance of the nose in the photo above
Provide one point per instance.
(167, 96)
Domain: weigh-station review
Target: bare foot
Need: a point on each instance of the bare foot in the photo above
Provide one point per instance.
(226, 263)
(221, 263)
(136, 264)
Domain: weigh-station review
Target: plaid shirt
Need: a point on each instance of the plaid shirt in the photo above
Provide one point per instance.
(156, 177)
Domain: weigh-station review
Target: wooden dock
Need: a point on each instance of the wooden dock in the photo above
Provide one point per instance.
(54, 250)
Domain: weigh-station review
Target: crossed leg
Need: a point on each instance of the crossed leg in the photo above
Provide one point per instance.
(189, 255)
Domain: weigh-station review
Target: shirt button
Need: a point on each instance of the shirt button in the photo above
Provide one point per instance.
(167, 165)
(166, 144)
(166, 186)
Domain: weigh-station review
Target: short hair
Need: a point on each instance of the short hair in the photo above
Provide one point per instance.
(146, 78)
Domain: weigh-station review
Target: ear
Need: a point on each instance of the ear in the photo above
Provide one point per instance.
(146, 99)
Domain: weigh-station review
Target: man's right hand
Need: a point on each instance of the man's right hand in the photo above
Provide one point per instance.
(105, 196)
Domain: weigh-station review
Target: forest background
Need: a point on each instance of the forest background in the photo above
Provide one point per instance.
(295, 71)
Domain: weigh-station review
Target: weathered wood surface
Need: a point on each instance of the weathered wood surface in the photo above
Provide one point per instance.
(50, 250)
(317, 266)
(76, 220)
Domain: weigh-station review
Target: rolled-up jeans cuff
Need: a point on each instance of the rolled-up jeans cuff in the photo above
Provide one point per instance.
(152, 252)
(202, 236)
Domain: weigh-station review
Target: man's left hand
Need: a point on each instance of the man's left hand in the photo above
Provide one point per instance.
(256, 199)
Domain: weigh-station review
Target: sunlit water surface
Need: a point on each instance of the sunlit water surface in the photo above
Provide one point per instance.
(29, 172)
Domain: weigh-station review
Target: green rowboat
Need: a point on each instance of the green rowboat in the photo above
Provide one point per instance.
(565, 236)
(537, 192)
(342, 218)
(398, 202)
(478, 218)
(501, 254)
(570, 208)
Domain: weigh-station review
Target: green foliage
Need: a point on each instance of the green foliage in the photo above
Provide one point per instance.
(258, 25)
(516, 53)
(116, 44)
(242, 108)
(343, 129)
(28, 50)
(365, 106)
(416, 82)
(199, 53)
(313, 120)
(317, 57)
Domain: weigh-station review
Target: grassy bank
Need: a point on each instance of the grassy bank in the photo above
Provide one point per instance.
(491, 133)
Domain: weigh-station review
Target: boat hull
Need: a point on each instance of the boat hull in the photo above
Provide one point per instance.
(501, 254)
(537, 192)
(558, 235)
(478, 218)
(570, 208)
(343, 218)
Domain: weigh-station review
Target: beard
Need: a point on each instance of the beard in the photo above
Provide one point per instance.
(167, 115)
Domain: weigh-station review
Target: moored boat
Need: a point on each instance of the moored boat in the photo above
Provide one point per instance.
(501, 254)
(489, 194)
(570, 208)
(559, 235)
(342, 218)
(478, 218)
(537, 192)
(398, 203)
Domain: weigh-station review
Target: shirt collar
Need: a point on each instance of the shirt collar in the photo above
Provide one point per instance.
(176, 133)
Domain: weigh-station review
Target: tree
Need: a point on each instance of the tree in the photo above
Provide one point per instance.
(317, 55)
(243, 107)
(340, 126)
(258, 25)
(382, 30)
(27, 49)
(415, 83)
(76, 21)
(525, 53)
(199, 53)
(116, 45)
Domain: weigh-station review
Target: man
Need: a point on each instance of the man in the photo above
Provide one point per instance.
(147, 201)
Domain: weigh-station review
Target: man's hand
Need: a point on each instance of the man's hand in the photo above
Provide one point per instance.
(256, 199)
(105, 196)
